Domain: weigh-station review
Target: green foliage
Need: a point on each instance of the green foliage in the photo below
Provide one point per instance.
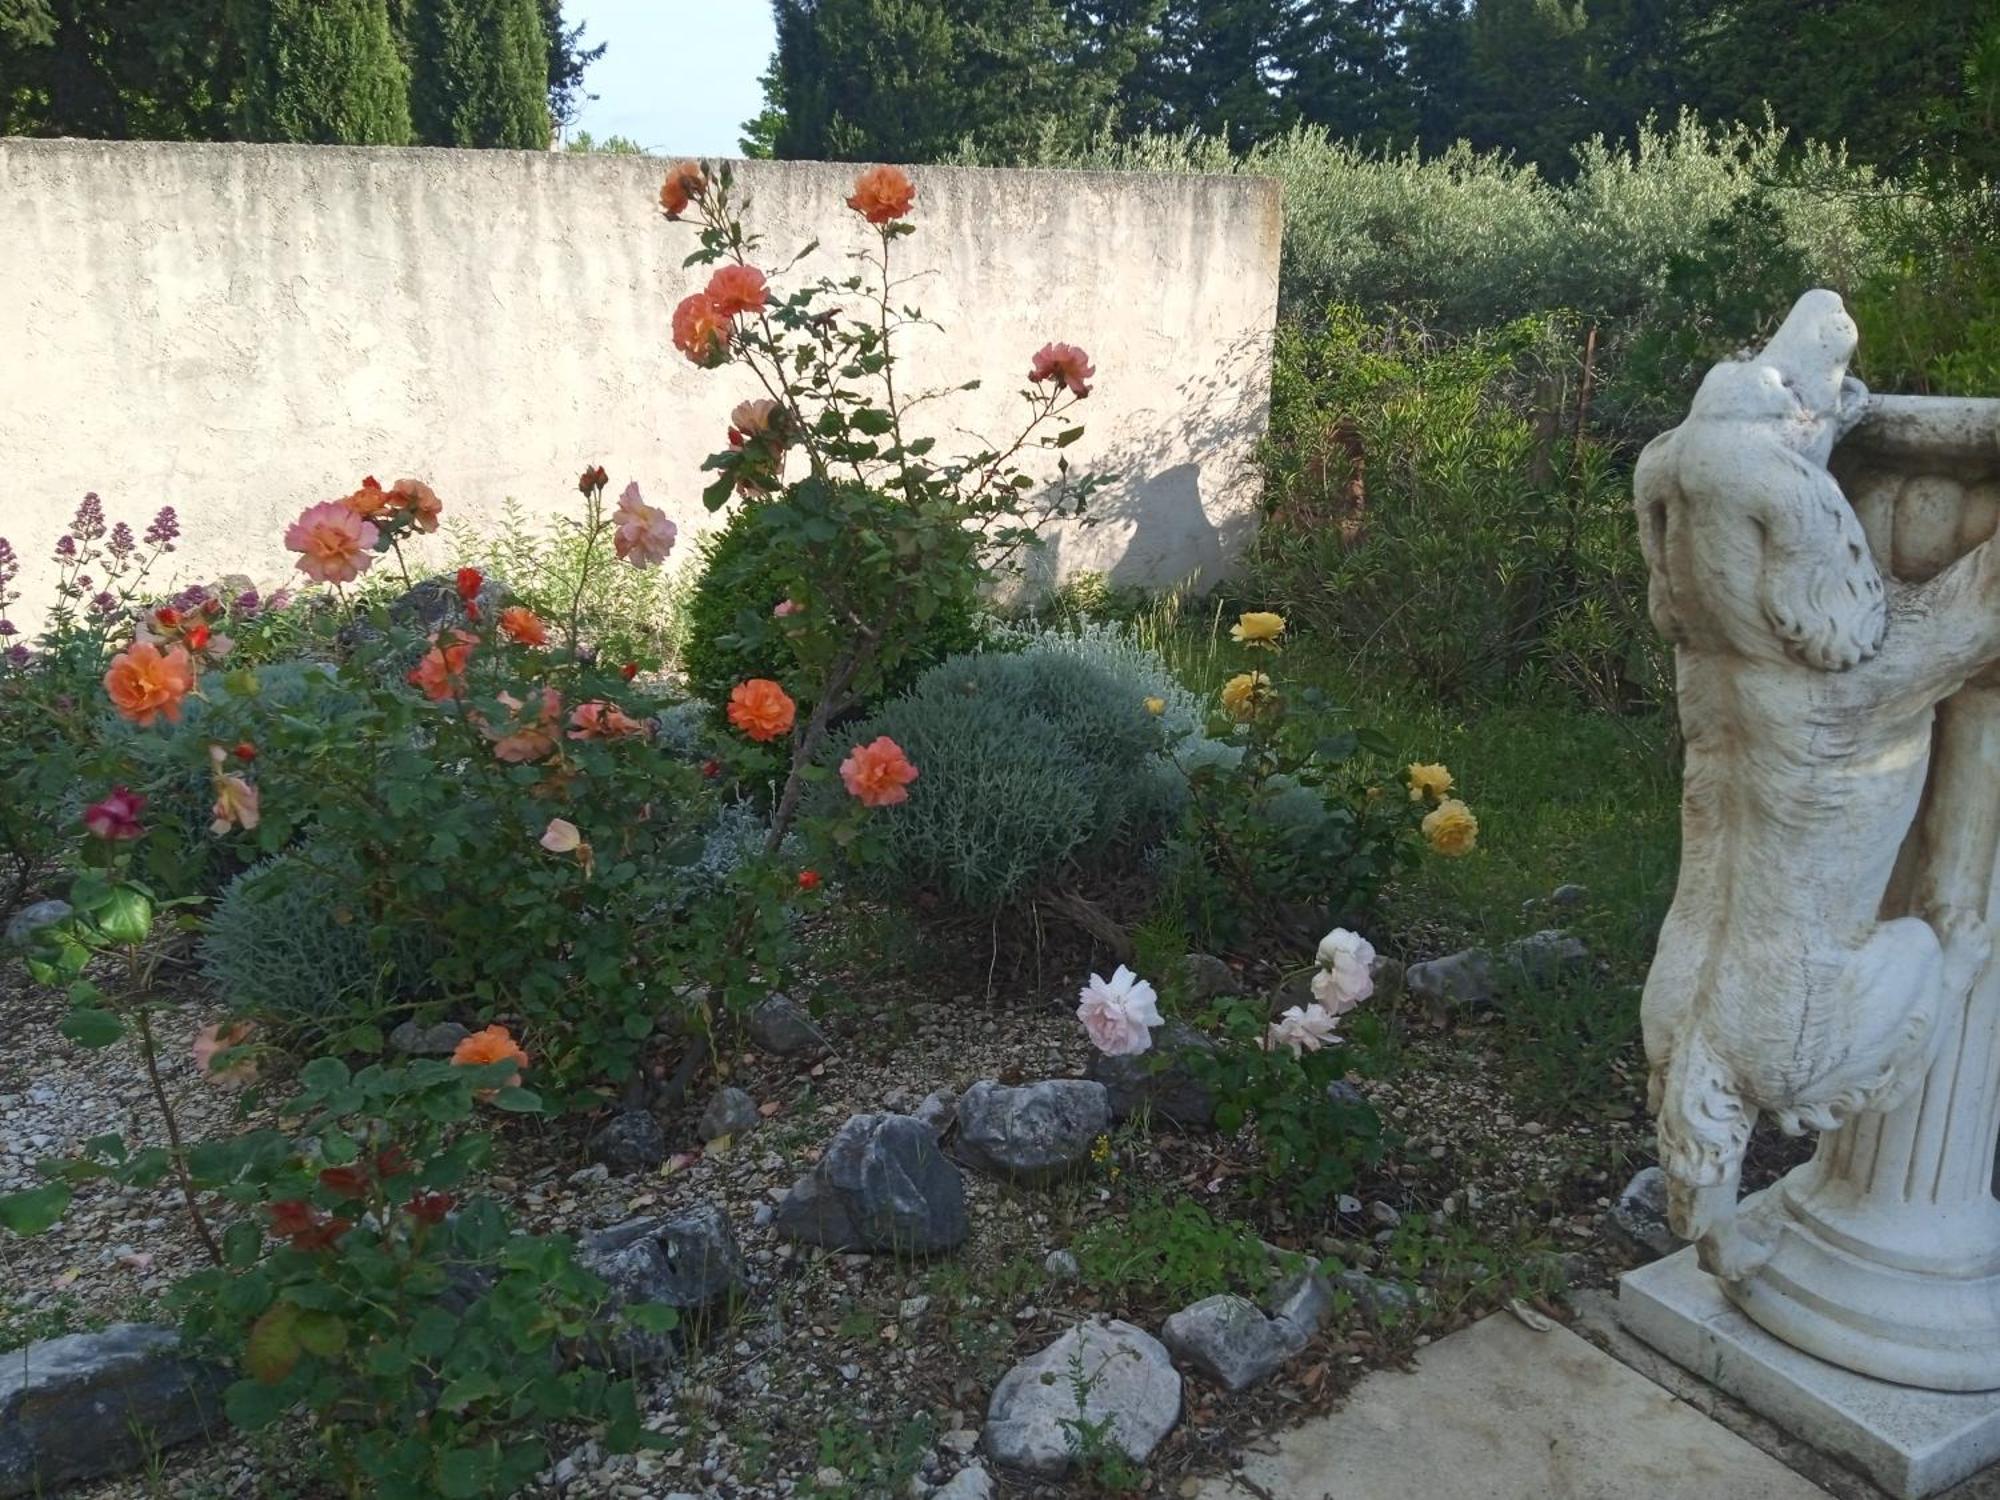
(731, 634)
(1432, 511)
(1112, 648)
(1173, 1251)
(287, 938)
(624, 614)
(322, 71)
(1036, 770)
(479, 73)
(1930, 318)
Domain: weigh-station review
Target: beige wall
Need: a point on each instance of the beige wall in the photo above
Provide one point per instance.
(240, 331)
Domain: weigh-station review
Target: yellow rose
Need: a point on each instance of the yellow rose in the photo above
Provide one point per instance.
(1258, 628)
(1429, 783)
(1451, 828)
(1244, 693)
(1156, 706)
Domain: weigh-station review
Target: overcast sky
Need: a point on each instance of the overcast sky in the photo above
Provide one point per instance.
(681, 75)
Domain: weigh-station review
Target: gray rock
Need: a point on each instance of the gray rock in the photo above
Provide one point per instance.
(1035, 1133)
(687, 1260)
(1062, 1265)
(1545, 957)
(730, 1112)
(969, 1483)
(1109, 1373)
(1639, 1217)
(939, 1110)
(1208, 977)
(630, 1141)
(783, 1029)
(90, 1404)
(1229, 1340)
(1346, 1095)
(1569, 897)
(1384, 1214)
(1458, 981)
(439, 1039)
(883, 1184)
(32, 918)
(1300, 1304)
(1160, 1082)
(1375, 1296)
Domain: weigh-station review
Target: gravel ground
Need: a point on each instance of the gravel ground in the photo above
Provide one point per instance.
(849, 1375)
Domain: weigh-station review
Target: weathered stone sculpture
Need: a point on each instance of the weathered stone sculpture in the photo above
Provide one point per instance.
(1821, 560)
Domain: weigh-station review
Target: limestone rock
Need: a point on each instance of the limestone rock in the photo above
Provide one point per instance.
(439, 1039)
(1229, 1340)
(1640, 1215)
(1375, 1296)
(1300, 1303)
(730, 1112)
(969, 1483)
(1458, 981)
(1543, 958)
(688, 1260)
(1034, 1133)
(939, 1110)
(1128, 1381)
(32, 918)
(1160, 1082)
(631, 1141)
(1208, 977)
(883, 1184)
(89, 1404)
(783, 1029)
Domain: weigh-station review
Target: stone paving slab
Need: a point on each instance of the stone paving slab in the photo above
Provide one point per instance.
(1499, 1411)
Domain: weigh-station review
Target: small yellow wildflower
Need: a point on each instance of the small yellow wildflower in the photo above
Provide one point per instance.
(1257, 628)
(1451, 828)
(1429, 783)
(1156, 706)
(1245, 693)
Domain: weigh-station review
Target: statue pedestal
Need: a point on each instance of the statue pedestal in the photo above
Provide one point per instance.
(1912, 1442)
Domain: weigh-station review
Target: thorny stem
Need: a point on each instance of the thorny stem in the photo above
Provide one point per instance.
(176, 1152)
(591, 532)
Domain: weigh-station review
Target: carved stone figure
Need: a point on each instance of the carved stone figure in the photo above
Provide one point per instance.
(1826, 961)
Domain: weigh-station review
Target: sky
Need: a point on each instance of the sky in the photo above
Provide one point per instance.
(681, 75)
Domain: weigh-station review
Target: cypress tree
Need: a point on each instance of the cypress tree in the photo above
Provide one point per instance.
(480, 73)
(322, 71)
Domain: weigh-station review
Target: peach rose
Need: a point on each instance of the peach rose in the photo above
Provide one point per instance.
(883, 195)
(644, 535)
(701, 330)
(441, 673)
(1064, 363)
(751, 419)
(334, 544)
(879, 773)
(420, 500)
(561, 836)
(212, 1041)
(761, 709)
(369, 501)
(527, 740)
(685, 182)
(145, 683)
(603, 721)
(736, 289)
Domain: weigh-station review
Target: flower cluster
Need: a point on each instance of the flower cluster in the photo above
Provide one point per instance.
(1449, 827)
(338, 540)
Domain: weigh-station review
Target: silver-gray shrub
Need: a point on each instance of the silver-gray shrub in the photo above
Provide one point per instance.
(1036, 769)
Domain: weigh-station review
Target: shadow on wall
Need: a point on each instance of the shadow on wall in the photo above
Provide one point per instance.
(1188, 522)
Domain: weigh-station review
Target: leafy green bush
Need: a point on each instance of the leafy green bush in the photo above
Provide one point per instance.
(1035, 768)
(731, 634)
(1431, 509)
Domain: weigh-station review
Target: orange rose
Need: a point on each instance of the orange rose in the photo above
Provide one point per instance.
(523, 626)
(761, 709)
(602, 721)
(878, 774)
(685, 182)
(368, 501)
(737, 289)
(494, 1044)
(526, 740)
(883, 194)
(146, 683)
(701, 330)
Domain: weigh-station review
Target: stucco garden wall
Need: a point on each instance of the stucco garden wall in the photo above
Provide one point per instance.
(239, 331)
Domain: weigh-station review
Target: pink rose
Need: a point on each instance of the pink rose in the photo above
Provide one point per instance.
(1119, 1013)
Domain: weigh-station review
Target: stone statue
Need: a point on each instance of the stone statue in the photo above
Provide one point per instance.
(1807, 689)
